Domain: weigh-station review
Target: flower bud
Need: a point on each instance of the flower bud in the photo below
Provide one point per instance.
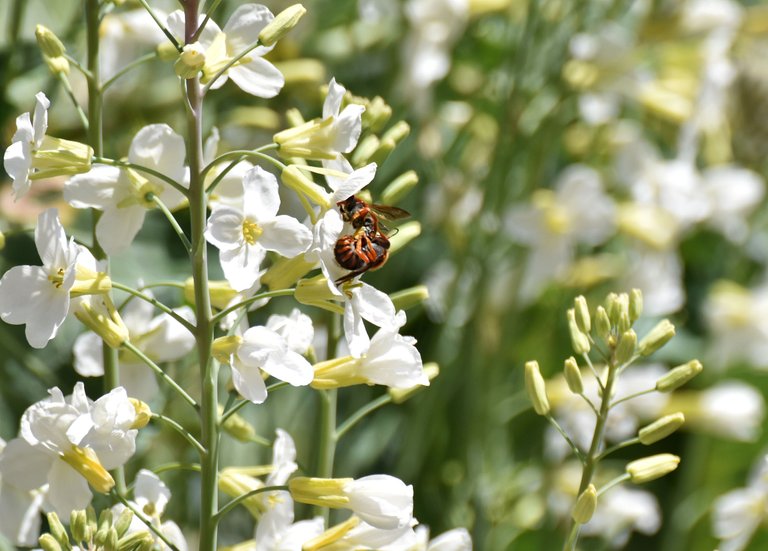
(324, 492)
(579, 341)
(294, 179)
(143, 413)
(377, 113)
(408, 298)
(136, 541)
(585, 505)
(583, 321)
(635, 305)
(2, 241)
(49, 43)
(398, 132)
(678, 376)
(78, 525)
(656, 338)
(405, 234)
(400, 395)
(281, 24)
(652, 467)
(235, 484)
(308, 72)
(284, 272)
(365, 150)
(572, 375)
(625, 350)
(619, 309)
(57, 65)
(60, 157)
(110, 542)
(48, 543)
(237, 427)
(190, 62)
(382, 153)
(661, 428)
(602, 323)
(399, 188)
(57, 529)
(337, 373)
(101, 537)
(123, 522)
(536, 388)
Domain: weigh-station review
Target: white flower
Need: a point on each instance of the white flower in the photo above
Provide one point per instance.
(251, 73)
(659, 275)
(229, 190)
(161, 338)
(28, 138)
(347, 123)
(365, 536)
(151, 496)
(244, 235)
(737, 514)
(122, 193)
(381, 500)
(296, 329)
(622, 511)
(577, 212)
(262, 349)
(69, 443)
(733, 193)
(731, 409)
(39, 296)
(20, 512)
(123, 37)
(276, 530)
(457, 539)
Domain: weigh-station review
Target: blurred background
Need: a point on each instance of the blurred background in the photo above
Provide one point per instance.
(562, 148)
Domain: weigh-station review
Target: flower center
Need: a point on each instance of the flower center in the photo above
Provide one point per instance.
(251, 232)
(57, 279)
(141, 188)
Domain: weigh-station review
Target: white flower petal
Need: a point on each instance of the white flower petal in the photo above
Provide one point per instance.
(139, 381)
(290, 367)
(94, 189)
(149, 489)
(241, 266)
(356, 181)
(248, 382)
(286, 236)
(258, 77)
(374, 306)
(261, 198)
(243, 28)
(382, 501)
(68, 490)
(54, 249)
(225, 228)
(348, 127)
(23, 466)
(118, 226)
(158, 147)
(17, 162)
(40, 118)
(24, 131)
(20, 515)
(88, 355)
(332, 103)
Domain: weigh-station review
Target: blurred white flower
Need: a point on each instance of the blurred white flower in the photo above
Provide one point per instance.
(20, 512)
(123, 36)
(576, 212)
(243, 236)
(730, 409)
(737, 514)
(122, 193)
(28, 138)
(621, 511)
(161, 338)
(252, 73)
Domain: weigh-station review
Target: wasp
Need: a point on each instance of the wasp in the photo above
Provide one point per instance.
(368, 247)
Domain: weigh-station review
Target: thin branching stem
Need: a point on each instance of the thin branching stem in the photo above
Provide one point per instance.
(156, 303)
(239, 499)
(172, 221)
(145, 169)
(132, 65)
(162, 374)
(181, 431)
(268, 294)
(360, 414)
(141, 516)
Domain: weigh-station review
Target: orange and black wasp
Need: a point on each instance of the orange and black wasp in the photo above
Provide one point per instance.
(368, 247)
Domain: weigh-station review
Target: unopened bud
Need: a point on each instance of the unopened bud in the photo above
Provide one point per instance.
(585, 505)
(619, 309)
(281, 24)
(635, 305)
(536, 388)
(625, 350)
(377, 113)
(382, 153)
(110, 543)
(656, 338)
(49, 43)
(48, 543)
(143, 413)
(405, 234)
(398, 132)
(678, 376)
(572, 375)
(78, 525)
(661, 428)
(652, 467)
(190, 61)
(623, 324)
(237, 427)
(399, 188)
(57, 530)
(285, 272)
(611, 307)
(105, 519)
(123, 522)
(101, 537)
(579, 341)
(583, 321)
(365, 150)
(408, 298)
(136, 541)
(400, 395)
(57, 65)
(602, 323)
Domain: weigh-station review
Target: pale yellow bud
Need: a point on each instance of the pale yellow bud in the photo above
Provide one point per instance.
(48, 543)
(408, 298)
(57, 529)
(583, 320)
(365, 150)
(78, 525)
(579, 341)
(281, 24)
(301, 71)
(398, 132)
(635, 305)
(536, 388)
(136, 541)
(98, 313)
(315, 292)
(294, 178)
(678, 376)
(235, 484)
(625, 350)
(377, 113)
(237, 427)
(585, 505)
(652, 467)
(602, 323)
(399, 188)
(57, 65)
(572, 375)
(405, 234)
(656, 338)
(661, 428)
(284, 272)
(49, 43)
(324, 492)
(123, 522)
(223, 348)
(190, 61)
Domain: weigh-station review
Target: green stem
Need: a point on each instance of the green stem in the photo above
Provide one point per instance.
(237, 156)
(615, 482)
(239, 499)
(163, 28)
(76, 64)
(125, 164)
(360, 414)
(70, 93)
(156, 303)
(209, 12)
(181, 431)
(242, 403)
(617, 447)
(132, 65)
(268, 294)
(176, 466)
(567, 438)
(635, 395)
(209, 368)
(145, 520)
(162, 374)
(172, 221)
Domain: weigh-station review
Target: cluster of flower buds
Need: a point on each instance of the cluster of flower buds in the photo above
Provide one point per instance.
(607, 334)
(106, 532)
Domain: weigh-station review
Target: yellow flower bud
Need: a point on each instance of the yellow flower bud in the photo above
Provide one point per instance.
(98, 313)
(583, 320)
(284, 272)
(652, 467)
(602, 323)
(337, 373)
(377, 113)
(656, 338)
(536, 388)
(48, 543)
(315, 292)
(57, 529)
(398, 132)
(49, 43)
(573, 377)
(365, 150)
(661, 428)
(123, 522)
(237, 427)
(235, 484)
(301, 71)
(325, 492)
(57, 65)
(678, 376)
(143, 413)
(281, 24)
(78, 525)
(190, 61)
(579, 341)
(635, 305)
(585, 505)
(408, 298)
(405, 234)
(625, 350)
(399, 188)
(136, 541)
(224, 347)
(311, 140)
